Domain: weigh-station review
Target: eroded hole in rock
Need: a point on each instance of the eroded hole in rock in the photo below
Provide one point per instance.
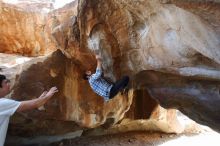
(142, 106)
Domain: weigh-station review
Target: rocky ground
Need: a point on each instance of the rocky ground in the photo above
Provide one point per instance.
(144, 139)
(168, 48)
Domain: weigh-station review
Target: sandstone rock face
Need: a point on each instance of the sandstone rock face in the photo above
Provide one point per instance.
(137, 36)
(76, 107)
(133, 38)
(41, 6)
(149, 35)
(196, 97)
(24, 33)
(26, 26)
(75, 102)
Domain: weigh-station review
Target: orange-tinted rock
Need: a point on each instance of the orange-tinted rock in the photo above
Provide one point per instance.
(132, 38)
(26, 27)
(75, 102)
(23, 32)
(138, 36)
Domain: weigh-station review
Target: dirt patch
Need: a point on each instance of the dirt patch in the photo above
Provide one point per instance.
(122, 139)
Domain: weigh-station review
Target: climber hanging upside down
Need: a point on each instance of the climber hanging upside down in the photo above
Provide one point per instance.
(101, 86)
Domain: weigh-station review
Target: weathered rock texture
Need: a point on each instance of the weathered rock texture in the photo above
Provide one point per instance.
(76, 106)
(24, 33)
(26, 28)
(41, 6)
(75, 101)
(134, 38)
(137, 36)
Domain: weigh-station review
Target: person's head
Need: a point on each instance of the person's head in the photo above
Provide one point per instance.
(4, 84)
(87, 74)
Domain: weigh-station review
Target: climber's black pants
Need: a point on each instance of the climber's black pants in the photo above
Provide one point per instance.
(118, 86)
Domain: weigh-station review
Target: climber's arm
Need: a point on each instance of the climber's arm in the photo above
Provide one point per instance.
(99, 62)
(98, 72)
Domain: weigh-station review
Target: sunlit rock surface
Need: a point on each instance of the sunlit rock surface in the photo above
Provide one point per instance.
(169, 49)
(165, 36)
(75, 102)
(26, 26)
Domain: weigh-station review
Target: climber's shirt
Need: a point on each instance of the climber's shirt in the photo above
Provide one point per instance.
(100, 85)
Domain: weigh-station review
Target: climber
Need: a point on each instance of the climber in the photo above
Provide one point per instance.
(8, 106)
(101, 86)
